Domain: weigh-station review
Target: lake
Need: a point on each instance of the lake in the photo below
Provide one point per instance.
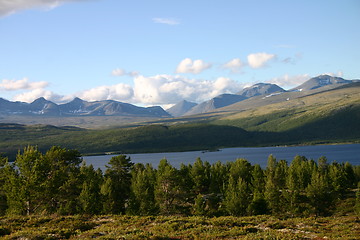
(339, 153)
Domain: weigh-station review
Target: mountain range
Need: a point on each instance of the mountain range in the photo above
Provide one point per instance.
(78, 107)
(258, 94)
(265, 90)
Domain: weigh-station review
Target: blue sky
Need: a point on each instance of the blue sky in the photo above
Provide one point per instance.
(150, 52)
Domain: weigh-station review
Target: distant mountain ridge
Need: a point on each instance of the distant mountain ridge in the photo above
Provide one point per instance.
(267, 89)
(224, 100)
(78, 107)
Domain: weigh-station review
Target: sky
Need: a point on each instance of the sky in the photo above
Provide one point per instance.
(159, 52)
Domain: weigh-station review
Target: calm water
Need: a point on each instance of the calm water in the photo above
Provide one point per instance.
(339, 153)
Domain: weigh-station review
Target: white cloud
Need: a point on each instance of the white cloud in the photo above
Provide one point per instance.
(30, 96)
(118, 92)
(235, 65)
(14, 85)
(189, 66)
(122, 72)
(258, 60)
(287, 81)
(154, 90)
(8, 7)
(168, 21)
(118, 72)
(167, 89)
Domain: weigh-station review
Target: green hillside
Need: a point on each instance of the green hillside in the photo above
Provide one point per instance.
(151, 138)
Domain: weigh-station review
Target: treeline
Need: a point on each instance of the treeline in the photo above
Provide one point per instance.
(58, 182)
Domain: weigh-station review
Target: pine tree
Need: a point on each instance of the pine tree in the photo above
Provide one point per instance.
(200, 174)
(258, 203)
(90, 197)
(319, 193)
(142, 198)
(167, 188)
(62, 184)
(258, 179)
(272, 195)
(169, 194)
(237, 197)
(338, 179)
(218, 178)
(116, 186)
(25, 182)
(272, 192)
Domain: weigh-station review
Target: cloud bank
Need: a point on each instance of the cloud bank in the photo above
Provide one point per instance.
(153, 90)
(8, 7)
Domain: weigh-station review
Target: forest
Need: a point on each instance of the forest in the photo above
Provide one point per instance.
(59, 182)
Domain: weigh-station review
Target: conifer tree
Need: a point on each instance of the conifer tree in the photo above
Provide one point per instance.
(168, 193)
(116, 186)
(258, 203)
(218, 178)
(142, 199)
(90, 197)
(338, 180)
(272, 195)
(319, 193)
(62, 185)
(200, 174)
(25, 182)
(237, 197)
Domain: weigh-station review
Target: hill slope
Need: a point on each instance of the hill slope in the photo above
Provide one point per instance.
(323, 116)
(215, 103)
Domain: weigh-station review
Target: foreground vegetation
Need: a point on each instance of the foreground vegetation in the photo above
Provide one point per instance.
(53, 196)
(177, 227)
(56, 183)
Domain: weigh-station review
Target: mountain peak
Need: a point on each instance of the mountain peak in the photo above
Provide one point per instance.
(181, 108)
(40, 100)
(321, 81)
(260, 89)
(77, 100)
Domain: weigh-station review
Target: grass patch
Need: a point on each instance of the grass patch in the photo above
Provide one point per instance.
(177, 227)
